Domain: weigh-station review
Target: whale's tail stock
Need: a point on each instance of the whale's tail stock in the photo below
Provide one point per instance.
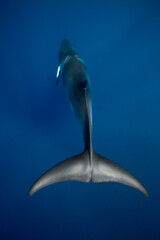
(81, 168)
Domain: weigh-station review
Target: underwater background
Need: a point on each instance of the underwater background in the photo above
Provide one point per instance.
(120, 44)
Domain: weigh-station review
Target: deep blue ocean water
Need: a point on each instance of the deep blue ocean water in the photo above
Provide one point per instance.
(120, 44)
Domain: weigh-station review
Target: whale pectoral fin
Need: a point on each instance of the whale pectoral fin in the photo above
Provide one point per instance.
(58, 73)
(105, 170)
(73, 169)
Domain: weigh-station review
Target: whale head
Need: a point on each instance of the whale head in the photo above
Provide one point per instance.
(66, 49)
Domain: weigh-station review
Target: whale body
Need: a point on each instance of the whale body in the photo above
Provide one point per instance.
(88, 165)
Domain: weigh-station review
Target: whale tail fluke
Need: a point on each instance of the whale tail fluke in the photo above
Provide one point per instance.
(105, 170)
(80, 168)
(76, 168)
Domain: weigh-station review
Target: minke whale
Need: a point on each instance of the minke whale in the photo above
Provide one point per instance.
(88, 165)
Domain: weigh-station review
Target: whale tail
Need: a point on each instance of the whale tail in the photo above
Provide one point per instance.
(76, 168)
(80, 168)
(105, 170)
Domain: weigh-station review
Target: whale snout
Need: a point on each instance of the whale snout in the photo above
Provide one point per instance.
(66, 49)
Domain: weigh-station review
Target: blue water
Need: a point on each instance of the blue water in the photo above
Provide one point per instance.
(120, 43)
